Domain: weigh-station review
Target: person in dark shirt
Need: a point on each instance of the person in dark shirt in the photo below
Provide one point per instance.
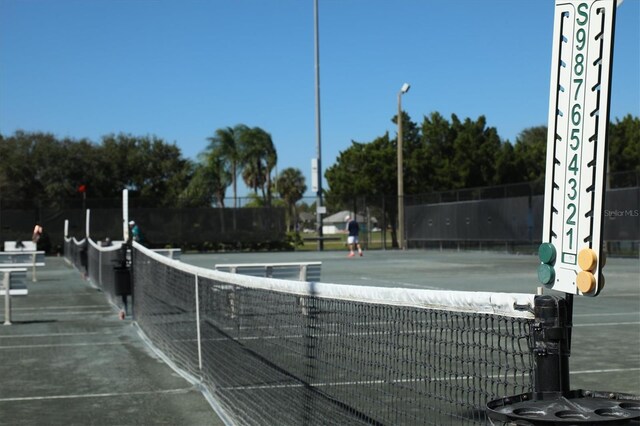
(353, 229)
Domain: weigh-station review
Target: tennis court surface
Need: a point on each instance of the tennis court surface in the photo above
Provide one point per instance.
(68, 360)
(303, 354)
(606, 337)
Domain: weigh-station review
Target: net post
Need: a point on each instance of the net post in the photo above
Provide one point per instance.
(7, 297)
(100, 269)
(131, 264)
(552, 345)
(551, 398)
(34, 278)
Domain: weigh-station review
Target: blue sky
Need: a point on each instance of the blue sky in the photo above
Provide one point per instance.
(180, 69)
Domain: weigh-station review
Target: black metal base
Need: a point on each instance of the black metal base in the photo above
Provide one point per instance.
(578, 407)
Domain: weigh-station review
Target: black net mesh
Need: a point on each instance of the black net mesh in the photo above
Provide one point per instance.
(272, 357)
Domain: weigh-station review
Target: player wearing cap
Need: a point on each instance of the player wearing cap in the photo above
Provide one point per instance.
(134, 231)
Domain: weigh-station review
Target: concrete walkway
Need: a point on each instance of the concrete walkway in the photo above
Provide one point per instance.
(68, 360)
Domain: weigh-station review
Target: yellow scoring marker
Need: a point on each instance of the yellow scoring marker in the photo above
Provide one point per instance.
(585, 281)
(587, 260)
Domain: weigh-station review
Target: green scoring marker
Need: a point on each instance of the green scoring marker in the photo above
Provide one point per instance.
(546, 272)
(547, 253)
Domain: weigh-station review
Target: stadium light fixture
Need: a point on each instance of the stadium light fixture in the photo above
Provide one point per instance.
(401, 241)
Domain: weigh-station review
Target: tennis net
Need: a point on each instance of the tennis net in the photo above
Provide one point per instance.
(102, 262)
(283, 352)
(75, 252)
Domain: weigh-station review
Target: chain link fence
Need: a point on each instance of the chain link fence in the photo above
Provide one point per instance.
(506, 217)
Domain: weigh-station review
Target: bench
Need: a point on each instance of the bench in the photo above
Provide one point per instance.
(299, 271)
(14, 283)
(22, 259)
(26, 246)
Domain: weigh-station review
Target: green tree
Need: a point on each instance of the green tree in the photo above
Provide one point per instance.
(624, 144)
(39, 166)
(431, 162)
(530, 154)
(209, 183)
(507, 171)
(147, 166)
(475, 150)
(291, 187)
(219, 178)
(259, 158)
(366, 170)
(456, 154)
(227, 144)
(411, 143)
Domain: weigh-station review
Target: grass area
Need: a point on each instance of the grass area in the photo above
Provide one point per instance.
(373, 241)
(339, 241)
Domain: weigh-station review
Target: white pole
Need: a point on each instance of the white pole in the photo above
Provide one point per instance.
(33, 273)
(87, 222)
(7, 298)
(198, 325)
(125, 214)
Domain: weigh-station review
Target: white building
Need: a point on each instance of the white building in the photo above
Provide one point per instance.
(335, 223)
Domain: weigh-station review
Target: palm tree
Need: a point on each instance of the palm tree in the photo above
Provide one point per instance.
(208, 185)
(260, 158)
(226, 144)
(291, 186)
(219, 177)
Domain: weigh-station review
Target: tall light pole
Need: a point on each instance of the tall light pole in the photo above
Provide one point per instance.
(404, 89)
(318, 139)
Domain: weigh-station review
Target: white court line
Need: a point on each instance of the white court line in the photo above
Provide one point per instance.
(48, 313)
(59, 307)
(23, 336)
(300, 336)
(354, 333)
(613, 314)
(598, 324)
(95, 395)
(391, 382)
(611, 370)
(618, 295)
(64, 295)
(62, 345)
